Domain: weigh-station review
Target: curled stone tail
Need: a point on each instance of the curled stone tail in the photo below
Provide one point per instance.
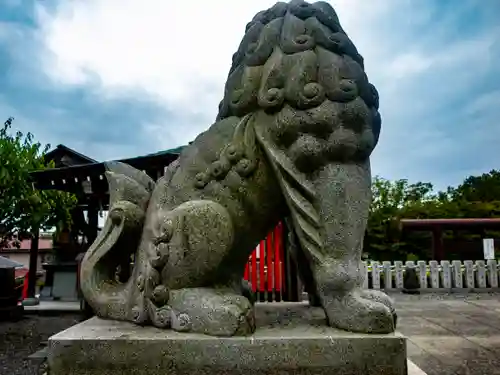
(130, 191)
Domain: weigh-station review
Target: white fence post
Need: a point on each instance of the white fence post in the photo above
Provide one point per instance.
(375, 275)
(469, 274)
(446, 274)
(422, 273)
(387, 274)
(434, 270)
(481, 274)
(398, 271)
(457, 274)
(492, 273)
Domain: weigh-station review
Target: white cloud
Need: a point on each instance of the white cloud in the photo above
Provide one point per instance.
(172, 50)
(177, 53)
(459, 53)
(409, 64)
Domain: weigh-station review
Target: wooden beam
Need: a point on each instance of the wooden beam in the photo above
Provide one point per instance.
(429, 224)
(437, 244)
(33, 264)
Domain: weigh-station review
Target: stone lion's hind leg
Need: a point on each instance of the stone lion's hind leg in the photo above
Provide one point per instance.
(216, 312)
(189, 243)
(343, 204)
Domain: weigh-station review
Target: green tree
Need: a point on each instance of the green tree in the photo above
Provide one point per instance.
(478, 196)
(396, 200)
(22, 207)
(483, 188)
(391, 200)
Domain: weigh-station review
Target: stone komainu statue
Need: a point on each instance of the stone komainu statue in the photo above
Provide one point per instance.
(293, 138)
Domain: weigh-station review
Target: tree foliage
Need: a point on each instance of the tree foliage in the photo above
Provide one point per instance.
(476, 197)
(392, 201)
(22, 207)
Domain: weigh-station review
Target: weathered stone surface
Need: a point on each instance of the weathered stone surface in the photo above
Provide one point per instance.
(293, 137)
(291, 339)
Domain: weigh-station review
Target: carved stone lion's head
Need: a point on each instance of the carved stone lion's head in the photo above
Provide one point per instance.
(297, 64)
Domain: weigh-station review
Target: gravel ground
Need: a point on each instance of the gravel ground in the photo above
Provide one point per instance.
(20, 339)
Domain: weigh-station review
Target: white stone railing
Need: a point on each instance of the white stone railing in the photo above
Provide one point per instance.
(434, 275)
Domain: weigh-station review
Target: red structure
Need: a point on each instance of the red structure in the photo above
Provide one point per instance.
(264, 269)
(438, 226)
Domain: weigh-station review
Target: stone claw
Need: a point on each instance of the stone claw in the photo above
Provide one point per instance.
(381, 297)
(161, 317)
(218, 313)
(181, 322)
(139, 315)
(352, 312)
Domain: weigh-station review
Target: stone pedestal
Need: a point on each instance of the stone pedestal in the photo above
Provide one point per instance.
(291, 339)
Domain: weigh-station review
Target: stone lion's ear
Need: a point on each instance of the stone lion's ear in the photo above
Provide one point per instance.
(128, 184)
(127, 170)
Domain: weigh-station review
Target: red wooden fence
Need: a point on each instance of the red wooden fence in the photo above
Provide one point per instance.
(264, 269)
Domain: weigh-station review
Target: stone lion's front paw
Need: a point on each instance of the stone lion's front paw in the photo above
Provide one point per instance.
(160, 316)
(354, 313)
(381, 297)
(216, 313)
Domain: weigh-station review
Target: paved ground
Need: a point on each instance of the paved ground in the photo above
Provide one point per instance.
(20, 339)
(447, 334)
(52, 307)
(452, 334)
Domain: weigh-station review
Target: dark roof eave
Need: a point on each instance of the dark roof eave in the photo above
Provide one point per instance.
(43, 178)
(71, 151)
(429, 224)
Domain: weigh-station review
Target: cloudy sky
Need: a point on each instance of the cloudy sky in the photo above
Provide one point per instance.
(120, 78)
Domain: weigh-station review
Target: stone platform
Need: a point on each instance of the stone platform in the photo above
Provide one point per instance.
(290, 339)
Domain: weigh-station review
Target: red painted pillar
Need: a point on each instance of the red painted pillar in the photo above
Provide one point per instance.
(253, 272)
(269, 256)
(277, 257)
(262, 265)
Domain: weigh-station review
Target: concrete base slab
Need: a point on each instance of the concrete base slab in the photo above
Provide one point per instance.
(290, 339)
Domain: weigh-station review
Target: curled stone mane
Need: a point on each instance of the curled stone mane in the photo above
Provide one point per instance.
(295, 57)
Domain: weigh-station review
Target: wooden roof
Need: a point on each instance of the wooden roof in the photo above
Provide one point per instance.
(70, 178)
(64, 156)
